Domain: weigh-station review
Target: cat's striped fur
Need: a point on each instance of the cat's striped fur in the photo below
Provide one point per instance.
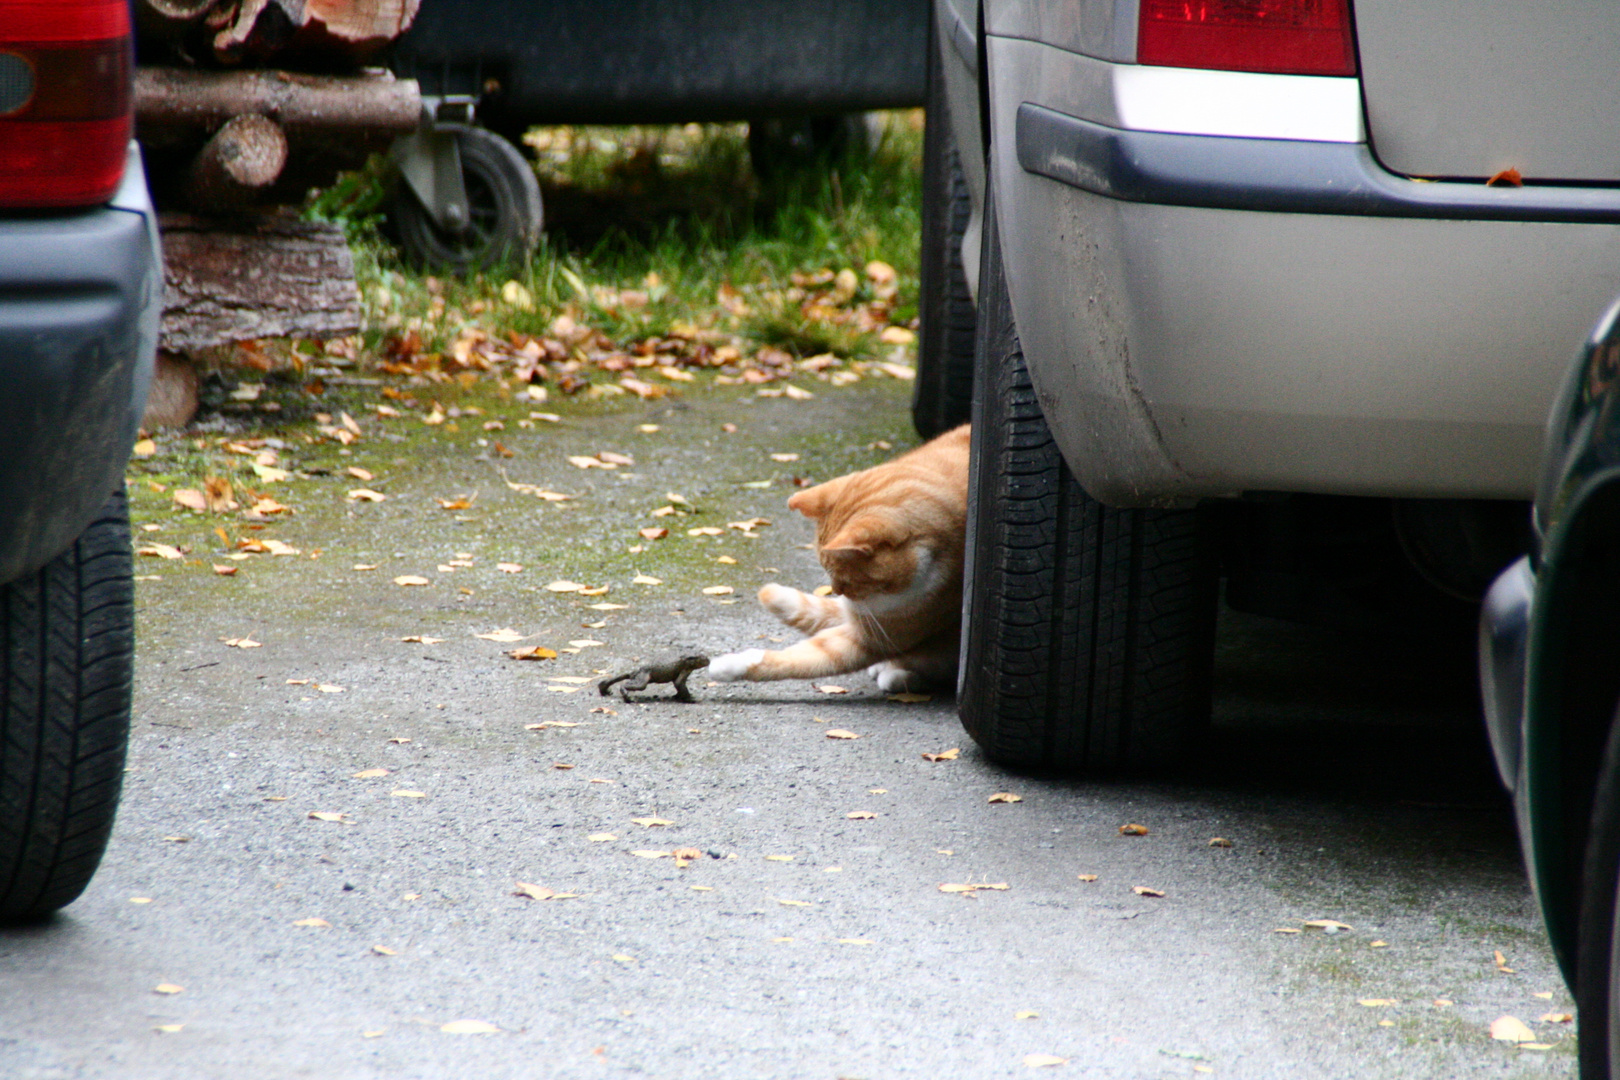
(890, 538)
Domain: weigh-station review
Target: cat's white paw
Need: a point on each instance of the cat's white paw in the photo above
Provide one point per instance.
(892, 679)
(779, 600)
(734, 666)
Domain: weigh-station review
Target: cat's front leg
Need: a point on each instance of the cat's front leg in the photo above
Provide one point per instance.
(805, 612)
(834, 651)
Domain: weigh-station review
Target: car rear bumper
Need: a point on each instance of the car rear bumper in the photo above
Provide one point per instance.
(1208, 315)
(80, 299)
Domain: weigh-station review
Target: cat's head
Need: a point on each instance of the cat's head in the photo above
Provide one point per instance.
(867, 549)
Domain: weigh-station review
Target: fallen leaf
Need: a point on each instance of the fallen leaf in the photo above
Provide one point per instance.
(1133, 830)
(580, 461)
(705, 530)
(586, 643)
(161, 551)
(1556, 1018)
(560, 765)
(1502, 964)
(534, 652)
(1511, 1029)
(652, 822)
(643, 579)
(1088, 877)
(795, 903)
(651, 854)
(1005, 797)
(852, 941)
(779, 858)
(468, 1027)
(540, 892)
(242, 643)
(328, 688)
(1287, 930)
(1508, 177)
(822, 590)
(1377, 944)
(269, 473)
(601, 837)
(908, 698)
(785, 458)
(1377, 1003)
(144, 448)
(687, 854)
(167, 988)
(1026, 1014)
(564, 587)
(718, 590)
(312, 922)
(362, 567)
(576, 679)
(366, 495)
(408, 580)
(277, 547)
(897, 335)
(653, 534)
(404, 794)
(828, 688)
(360, 474)
(383, 950)
(860, 815)
(1331, 926)
(1219, 841)
(1145, 890)
(840, 733)
(944, 755)
(420, 639)
(1544, 995)
(999, 886)
(550, 724)
(460, 502)
(504, 634)
(170, 1029)
(225, 571)
(1036, 1061)
(509, 567)
(191, 499)
(140, 899)
(368, 774)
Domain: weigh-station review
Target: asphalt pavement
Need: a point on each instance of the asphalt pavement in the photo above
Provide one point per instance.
(725, 889)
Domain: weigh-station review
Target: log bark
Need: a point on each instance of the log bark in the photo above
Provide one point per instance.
(175, 105)
(319, 31)
(238, 279)
(237, 165)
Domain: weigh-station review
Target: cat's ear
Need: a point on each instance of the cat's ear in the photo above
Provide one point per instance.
(814, 502)
(865, 534)
(847, 554)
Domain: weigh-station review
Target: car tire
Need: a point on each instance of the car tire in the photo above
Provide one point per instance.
(1088, 631)
(942, 395)
(504, 210)
(1597, 958)
(67, 641)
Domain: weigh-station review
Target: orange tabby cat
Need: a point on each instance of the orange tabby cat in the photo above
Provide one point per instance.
(890, 538)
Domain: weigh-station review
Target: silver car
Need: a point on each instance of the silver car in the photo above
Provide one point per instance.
(1257, 289)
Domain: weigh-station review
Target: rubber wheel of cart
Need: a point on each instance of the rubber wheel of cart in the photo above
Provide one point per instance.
(1597, 959)
(942, 395)
(504, 210)
(1088, 631)
(67, 640)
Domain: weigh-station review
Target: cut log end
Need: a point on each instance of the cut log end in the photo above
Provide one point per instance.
(240, 161)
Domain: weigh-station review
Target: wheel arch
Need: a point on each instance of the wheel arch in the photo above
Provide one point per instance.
(1573, 686)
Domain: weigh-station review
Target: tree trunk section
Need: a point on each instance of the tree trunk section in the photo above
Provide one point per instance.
(237, 165)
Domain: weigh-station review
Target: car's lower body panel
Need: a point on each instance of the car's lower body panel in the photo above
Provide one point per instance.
(1182, 351)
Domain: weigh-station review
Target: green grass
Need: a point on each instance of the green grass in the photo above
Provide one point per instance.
(644, 226)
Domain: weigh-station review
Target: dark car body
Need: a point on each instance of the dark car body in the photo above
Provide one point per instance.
(656, 61)
(80, 298)
(1548, 638)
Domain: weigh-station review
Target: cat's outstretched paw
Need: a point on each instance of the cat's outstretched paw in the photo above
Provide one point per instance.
(734, 666)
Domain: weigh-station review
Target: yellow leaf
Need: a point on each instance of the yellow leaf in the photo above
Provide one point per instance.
(860, 815)
(504, 634)
(241, 643)
(840, 733)
(1556, 1018)
(1026, 1015)
(908, 698)
(420, 639)
(1376, 1003)
(643, 579)
(534, 892)
(360, 474)
(1511, 1029)
(366, 495)
(779, 858)
(1329, 925)
(795, 903)
(325, 815)
(144, 448)
(140, 899)
(601, 837)
(1146, 890)
(564, 586)
(1005, 797)
(828, 688)
(161, 551)
(383, 950)
(705, 530)
(368, 774)
(1133, 830)
(403, 794)
(328, 688)
(407, 580)
(652, 822)
(535, 652)
(468, 1027)
(509, 567)
(312, 922)
(718, 590)
(1037, 1061)
(1088, 877)
(944, 755)
(167, 988)
(1219, 841)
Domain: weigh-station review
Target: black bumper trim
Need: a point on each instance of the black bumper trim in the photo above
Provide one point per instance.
(1276, 175)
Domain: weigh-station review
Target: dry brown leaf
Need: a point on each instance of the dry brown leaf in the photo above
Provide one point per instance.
(277, 547)
(160, 551)
(1133, 830)
(653, 534)
(1146, 890)
(504, 635)
(365, 495)
(1508, 177)
(421, 639)
(1556, 1018)
(565, 587)
(840, 733)
(1377, 1003)
(998, 886)
(828, 688)
(1219, 841)
(534, 652)
(601, 837)
(540, 892)
(404, 794)
(167, 988)
(860, 815)
(718, 590)
(225, 571)
(509, 567)
(560, 765)
(460, 502)
(687, 854)
(322, 923)
(383, 950)
(944, 755)
(241, 643)
(652, 822)
(1088, 877)
(407, 580)
(908, 698)
(1005, 797)
(191, 499)
(651, 854)
(369, 774)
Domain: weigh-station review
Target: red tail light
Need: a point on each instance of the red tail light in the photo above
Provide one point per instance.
(1284, 37)
(65, 101)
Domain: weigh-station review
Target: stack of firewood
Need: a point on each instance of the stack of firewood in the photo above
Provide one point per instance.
(242, 106)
